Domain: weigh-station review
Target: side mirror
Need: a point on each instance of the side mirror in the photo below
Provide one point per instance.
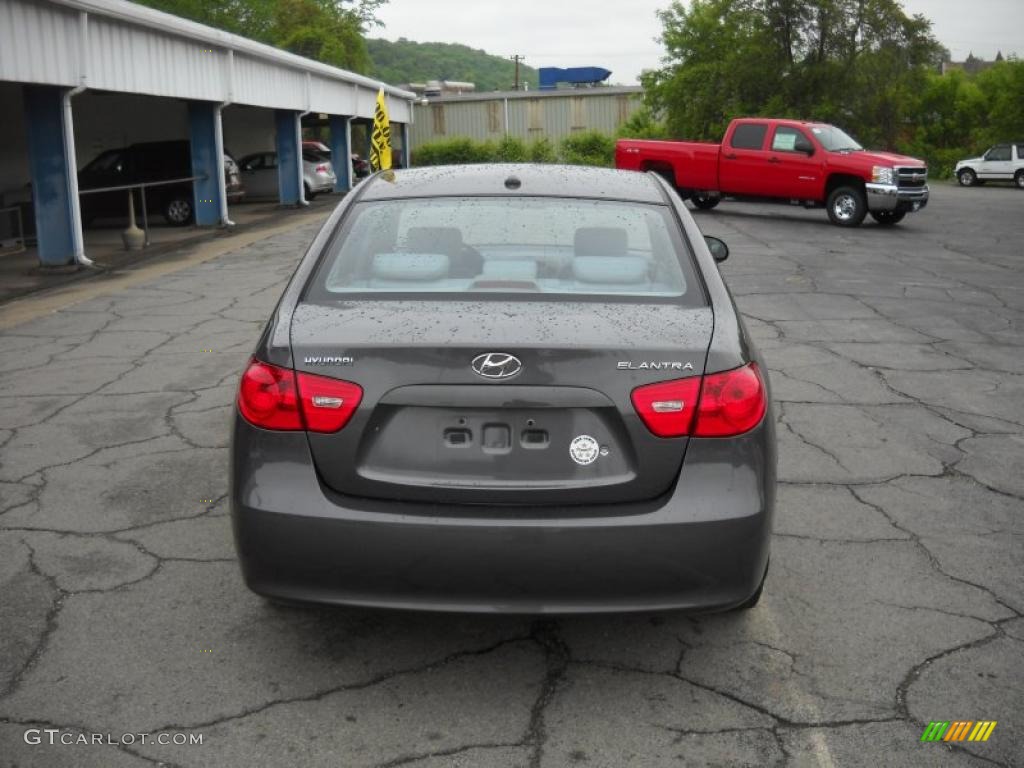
(719, 250)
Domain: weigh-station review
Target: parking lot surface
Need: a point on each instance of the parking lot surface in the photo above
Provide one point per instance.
(895, 596)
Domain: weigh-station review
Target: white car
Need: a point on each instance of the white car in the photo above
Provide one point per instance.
(1003, 162)
(259, 173)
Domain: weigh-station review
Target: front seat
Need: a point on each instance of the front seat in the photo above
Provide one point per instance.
(465, 260)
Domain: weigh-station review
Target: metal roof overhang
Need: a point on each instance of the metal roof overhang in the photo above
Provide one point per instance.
(116, 45)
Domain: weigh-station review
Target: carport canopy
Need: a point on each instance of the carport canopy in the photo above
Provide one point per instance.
(59, 48)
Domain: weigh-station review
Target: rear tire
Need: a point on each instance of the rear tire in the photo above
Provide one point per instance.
(704, 201)
(967, 177)
(310, 194)
(1018, 179)
(888, 218)
(846, 206)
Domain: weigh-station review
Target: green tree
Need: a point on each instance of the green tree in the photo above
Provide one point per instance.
(643, 124)
(330, 31)
(1002, 88)
(853, 62)
(322, 31)
(588, 148)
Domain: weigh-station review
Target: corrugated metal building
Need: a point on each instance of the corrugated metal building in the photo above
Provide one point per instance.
(132, 74)
(528, 115)
(120, 46)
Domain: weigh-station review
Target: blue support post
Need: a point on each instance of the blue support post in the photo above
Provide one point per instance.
(406, 154)
(289, 156)
(341, 153)
(53, 176)
(207, 192)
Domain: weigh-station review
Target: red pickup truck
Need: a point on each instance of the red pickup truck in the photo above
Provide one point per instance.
(802, 163)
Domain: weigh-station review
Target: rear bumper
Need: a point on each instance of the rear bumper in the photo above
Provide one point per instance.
(889, 197)
(320, 183)
(704, 546)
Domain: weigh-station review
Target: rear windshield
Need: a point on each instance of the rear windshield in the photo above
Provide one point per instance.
(523, 246)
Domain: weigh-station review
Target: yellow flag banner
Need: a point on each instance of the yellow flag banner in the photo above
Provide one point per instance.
(380, 139)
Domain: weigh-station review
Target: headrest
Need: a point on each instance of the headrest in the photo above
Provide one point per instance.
(434, 240)
(410, 266)
(600, 241)
(610, 270)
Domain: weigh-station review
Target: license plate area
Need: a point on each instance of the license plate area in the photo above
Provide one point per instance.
(510, 448)
(497, 438)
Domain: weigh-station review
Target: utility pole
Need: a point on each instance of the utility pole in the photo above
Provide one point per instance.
(517, 58)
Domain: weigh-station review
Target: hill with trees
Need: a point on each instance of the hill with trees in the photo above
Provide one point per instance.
(405, 61)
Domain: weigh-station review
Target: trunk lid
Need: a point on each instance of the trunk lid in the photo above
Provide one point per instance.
(562, 430)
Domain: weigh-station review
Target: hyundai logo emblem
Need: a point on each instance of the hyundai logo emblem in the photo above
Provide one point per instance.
(496, 365)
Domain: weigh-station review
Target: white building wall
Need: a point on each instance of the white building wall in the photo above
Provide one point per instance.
(121, 57)
(261, 84)
(39, 43)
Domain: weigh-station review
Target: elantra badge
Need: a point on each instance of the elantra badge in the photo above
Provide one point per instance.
(654, 366)
(496, 365)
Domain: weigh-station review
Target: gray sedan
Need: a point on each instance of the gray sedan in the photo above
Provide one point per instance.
(506, 388)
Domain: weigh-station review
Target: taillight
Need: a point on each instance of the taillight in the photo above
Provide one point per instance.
(278, 398)
(267, 397)
(667, 407)
(718, 405)
(322, 168)
(731, 403)
(327, 404)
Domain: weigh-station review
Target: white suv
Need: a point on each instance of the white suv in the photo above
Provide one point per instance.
(1003, 162)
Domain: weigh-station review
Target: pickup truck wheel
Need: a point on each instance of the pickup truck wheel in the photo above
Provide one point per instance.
(847, 207)
(704, 201)
(967, 178)
(1018, 179)
(888, 217)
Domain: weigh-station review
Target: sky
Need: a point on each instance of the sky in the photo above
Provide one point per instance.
(621, 35)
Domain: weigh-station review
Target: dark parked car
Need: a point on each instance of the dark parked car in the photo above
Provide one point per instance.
(152, 161)
(506, 388)
(146, 162)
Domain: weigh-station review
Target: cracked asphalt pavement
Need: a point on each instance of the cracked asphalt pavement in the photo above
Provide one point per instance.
(895, 597)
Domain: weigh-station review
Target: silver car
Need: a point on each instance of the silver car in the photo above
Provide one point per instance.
(259, 174)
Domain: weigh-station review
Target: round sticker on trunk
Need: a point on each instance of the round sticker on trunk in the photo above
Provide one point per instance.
(584, 449)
